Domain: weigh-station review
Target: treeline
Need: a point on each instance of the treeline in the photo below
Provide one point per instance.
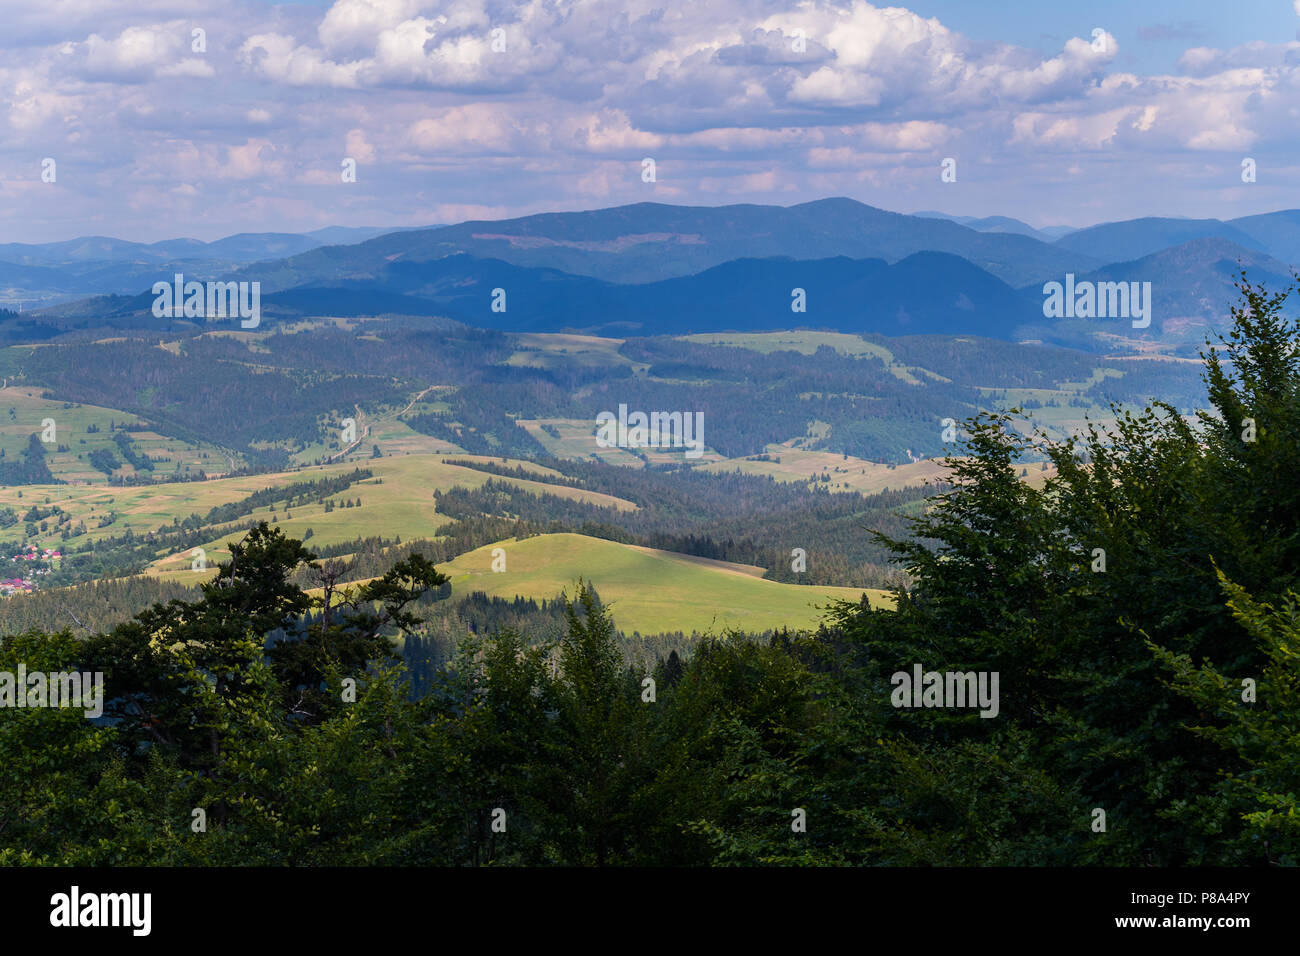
(96, 606)
(129, 553)
(726, 516)
(1177, 383)
(371, 545)
(372, 556)
(478, 430)
(32, 470)
(506, 470)
(449, 626)
(293, 495)
(398, 347)
(274, 390)
(102, 605)
(129, 454)
(257, 401)
(101, 459)
(990, 363)
(751, 400)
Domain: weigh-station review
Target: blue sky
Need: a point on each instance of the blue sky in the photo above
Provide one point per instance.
(1170, 25)
(494, 108)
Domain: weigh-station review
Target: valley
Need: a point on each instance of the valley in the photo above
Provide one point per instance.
(501, 451)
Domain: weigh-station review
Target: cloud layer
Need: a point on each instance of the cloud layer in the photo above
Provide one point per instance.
(191, 117)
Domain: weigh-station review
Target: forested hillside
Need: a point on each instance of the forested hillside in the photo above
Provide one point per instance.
(1138, 607)
(271, 401)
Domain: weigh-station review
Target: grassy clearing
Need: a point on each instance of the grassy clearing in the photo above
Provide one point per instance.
(575, 438)
(649, 591)
(808, 342)
(23, 411)
(397, 501)
(804, 342)
(552, 350)
(846, 474)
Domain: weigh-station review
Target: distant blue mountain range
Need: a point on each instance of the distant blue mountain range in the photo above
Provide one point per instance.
(652, 269)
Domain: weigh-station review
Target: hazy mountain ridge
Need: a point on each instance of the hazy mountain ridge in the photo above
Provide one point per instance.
(676, 241)
(1192, 285)
(1000, 224)
(651, 268)
(38, 273)
(1276, 234)
(927, 292)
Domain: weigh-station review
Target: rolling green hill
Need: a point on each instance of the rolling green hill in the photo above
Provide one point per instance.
(24, 410)
(649, 591)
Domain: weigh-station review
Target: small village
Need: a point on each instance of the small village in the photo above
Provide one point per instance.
(26, 582)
